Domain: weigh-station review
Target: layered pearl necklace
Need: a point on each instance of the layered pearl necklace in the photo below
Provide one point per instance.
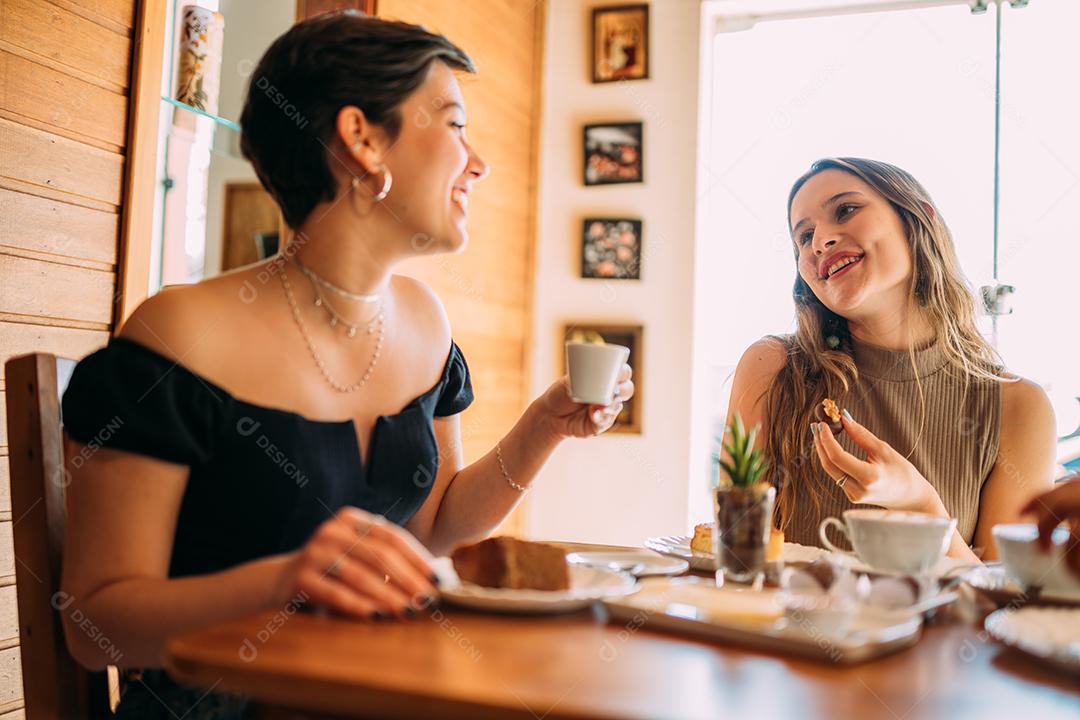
(374, 326)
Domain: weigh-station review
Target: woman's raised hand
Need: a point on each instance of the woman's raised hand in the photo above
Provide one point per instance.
(1052, 508)
(567, 418)
(362, 565)
(885, 478)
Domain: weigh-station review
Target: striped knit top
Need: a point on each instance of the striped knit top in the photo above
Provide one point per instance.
(957, 446)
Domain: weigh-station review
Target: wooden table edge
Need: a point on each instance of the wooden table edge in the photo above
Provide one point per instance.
(344, 698)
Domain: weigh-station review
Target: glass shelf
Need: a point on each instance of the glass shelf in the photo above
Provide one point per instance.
(216, 118)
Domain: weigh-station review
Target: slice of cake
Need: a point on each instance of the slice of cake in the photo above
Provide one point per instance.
(506, 562)
(702, 542)
(775, 549)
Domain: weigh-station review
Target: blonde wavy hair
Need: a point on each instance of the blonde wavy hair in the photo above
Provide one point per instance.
(820, 360)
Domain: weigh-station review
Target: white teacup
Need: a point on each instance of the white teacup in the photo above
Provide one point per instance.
(594, 370)
(1027, 565)
(893, 540)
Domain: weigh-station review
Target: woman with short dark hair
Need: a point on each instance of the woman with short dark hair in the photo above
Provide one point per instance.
(287, 433)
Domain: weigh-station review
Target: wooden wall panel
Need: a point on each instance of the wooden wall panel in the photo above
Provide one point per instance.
(22, 338)
(59, 292)
(5, 487)
(57, 228)
(118, 15)
(7, 553)
(487, 290)
(10, 675)
(57, 163)
(44, 97)
(65, 71)
(9, 614)
(68, 39)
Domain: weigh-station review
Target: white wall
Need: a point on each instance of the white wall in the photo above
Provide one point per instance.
(619, 488)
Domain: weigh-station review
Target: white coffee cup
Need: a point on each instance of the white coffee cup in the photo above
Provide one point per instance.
(892, 540)
(594, 370)
(1026, 563)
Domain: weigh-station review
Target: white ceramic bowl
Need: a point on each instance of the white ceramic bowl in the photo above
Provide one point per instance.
(1027, 565)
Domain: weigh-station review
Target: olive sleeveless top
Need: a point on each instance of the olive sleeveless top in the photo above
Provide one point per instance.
(946, 427)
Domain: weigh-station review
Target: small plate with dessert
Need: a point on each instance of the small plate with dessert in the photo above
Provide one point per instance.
(700, 552)
(505, 574)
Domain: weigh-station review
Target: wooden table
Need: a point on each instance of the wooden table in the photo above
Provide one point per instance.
(460, 664)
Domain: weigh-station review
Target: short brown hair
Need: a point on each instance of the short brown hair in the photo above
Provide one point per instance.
(308, 74)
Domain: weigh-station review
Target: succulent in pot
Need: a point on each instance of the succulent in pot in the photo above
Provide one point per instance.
(744, 506)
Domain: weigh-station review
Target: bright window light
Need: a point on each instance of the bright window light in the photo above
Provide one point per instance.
(914, 88)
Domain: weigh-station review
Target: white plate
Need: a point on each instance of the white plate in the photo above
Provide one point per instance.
(1048, 633)
(946, 567)
(679, 546)
(639, 563)
(587, 585)
(994, 579)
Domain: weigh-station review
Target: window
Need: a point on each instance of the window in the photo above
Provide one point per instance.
(916, 88)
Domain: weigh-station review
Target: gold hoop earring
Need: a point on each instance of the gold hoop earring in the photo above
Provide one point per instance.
(388, 181)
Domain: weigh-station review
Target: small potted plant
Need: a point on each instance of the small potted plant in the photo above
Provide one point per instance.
(744, 507)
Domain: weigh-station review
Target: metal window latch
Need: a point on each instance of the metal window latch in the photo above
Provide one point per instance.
(978, 7)
(1075, 433)
(997, 299)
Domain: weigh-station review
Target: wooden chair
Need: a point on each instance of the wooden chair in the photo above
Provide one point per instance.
(55, 686)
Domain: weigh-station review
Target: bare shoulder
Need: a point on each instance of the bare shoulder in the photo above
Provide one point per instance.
(168, 319)
(762, 361)
(423, 308)
(1024, 405)
(757, 370)
(179, 316)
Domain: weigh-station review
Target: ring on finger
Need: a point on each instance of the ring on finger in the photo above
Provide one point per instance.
(334, 568)
(363, 527)
(842, 480)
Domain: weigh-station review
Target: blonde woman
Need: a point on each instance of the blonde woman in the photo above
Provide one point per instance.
(886, 328)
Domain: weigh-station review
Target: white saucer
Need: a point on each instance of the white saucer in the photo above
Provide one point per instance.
(587, 585)
(993, 578)
(946, 567)
(639, 563)
(1048, 633)
(679, 546)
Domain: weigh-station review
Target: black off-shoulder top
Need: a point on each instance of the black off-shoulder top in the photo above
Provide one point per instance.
(261, 479)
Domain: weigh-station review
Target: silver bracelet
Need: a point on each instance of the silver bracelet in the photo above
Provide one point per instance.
(502, 466)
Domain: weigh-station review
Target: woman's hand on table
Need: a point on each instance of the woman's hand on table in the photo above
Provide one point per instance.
(567, 418)
(885, 478)
(361, 565)
(1051, 509)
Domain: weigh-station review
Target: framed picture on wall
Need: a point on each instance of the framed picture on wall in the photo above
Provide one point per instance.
(620, 43)
(629, 420)
(611, 249)
(613, 153)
